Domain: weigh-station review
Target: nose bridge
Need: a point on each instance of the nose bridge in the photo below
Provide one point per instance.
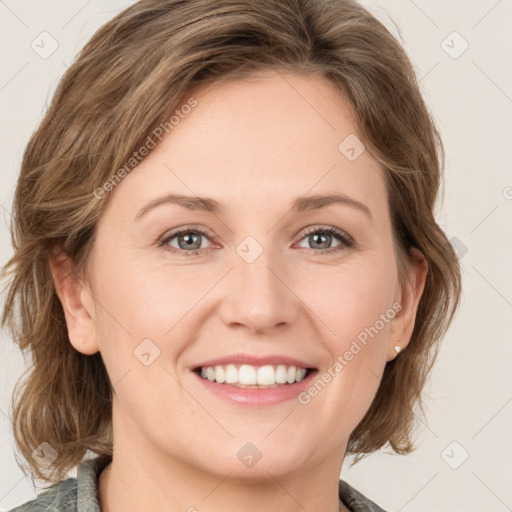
(258, 296)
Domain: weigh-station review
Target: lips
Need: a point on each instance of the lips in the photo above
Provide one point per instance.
(251, 371)
(236, 384)
(253, 360)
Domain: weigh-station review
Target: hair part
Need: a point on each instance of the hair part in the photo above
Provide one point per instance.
(128, 79)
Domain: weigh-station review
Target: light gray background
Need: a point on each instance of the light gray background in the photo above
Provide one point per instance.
(469, 394)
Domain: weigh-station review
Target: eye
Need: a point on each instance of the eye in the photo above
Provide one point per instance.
(321, 237)
(188, 242)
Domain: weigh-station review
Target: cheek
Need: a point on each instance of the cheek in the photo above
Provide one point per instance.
(144, 325)
(148, 301)
(350, 298)
(354, 314)
(147, 310)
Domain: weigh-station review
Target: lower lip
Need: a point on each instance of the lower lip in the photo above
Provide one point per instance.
(258, 397)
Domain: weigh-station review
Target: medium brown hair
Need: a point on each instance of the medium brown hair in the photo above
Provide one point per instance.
(129, 78)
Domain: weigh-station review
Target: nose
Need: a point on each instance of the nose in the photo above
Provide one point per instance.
(258, 296)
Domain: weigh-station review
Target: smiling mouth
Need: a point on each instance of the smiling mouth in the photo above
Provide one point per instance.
(257, 377)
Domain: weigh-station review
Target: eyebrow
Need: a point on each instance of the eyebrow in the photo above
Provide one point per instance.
(301, 204)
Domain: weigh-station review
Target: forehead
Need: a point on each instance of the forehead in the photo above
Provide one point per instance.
(271, 136)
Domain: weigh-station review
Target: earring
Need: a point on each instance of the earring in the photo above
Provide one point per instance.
(397, 348)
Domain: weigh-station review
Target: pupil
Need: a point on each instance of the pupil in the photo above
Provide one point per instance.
(189, 239)
(317, 236)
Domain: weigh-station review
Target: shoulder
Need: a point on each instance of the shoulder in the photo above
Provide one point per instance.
(356, 501)
(61, 496)
(78, 494)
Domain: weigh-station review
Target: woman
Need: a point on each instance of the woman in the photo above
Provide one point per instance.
(186, 329)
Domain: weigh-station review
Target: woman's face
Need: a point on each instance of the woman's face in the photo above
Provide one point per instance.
(280, 274)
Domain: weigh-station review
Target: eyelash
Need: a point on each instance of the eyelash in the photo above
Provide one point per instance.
(346, 240)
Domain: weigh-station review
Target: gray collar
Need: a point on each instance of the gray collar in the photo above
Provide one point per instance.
(87, 484)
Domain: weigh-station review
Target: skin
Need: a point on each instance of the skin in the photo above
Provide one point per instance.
(254, 146)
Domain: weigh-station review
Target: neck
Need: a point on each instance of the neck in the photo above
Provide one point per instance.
(135, 488)
(141, 477)
(138, 484)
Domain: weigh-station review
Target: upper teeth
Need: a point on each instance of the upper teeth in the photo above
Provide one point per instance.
(267, 375)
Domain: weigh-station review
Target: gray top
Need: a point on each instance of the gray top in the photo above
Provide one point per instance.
(80, 494)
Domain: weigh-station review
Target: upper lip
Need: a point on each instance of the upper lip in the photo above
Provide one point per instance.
(255, 361)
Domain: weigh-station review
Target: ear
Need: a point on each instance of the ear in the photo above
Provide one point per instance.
(409, 297)
(77, 303)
